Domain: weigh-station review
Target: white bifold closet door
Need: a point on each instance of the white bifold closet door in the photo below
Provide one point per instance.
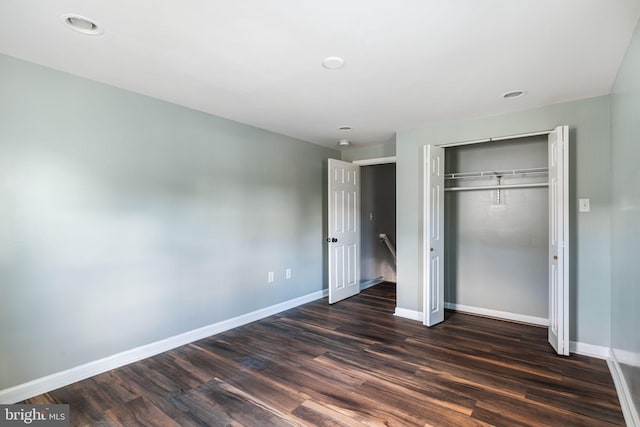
(559, 239)
(433, 230)
(433, 237)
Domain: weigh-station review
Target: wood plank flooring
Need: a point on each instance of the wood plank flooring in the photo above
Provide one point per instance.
(353, 363)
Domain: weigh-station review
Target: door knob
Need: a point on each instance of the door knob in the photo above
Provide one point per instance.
(555, 257)
(430, 249)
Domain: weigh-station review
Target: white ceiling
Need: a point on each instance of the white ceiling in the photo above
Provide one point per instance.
(408, 62)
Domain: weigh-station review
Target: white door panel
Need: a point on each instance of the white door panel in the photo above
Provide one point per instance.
(344, 230)
(433, 229)
(559, 240)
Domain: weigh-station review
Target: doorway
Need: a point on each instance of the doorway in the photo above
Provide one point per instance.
(378, 224)
(344, 224)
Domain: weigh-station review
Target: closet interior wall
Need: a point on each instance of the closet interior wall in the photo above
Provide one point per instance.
(496, 247)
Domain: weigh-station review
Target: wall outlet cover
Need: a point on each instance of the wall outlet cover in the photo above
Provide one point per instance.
(584, 205)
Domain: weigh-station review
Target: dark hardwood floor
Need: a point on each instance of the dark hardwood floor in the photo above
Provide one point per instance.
(353, 363)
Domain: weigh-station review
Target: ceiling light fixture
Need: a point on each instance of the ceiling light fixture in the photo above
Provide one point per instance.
(514, 94)
(333, 62)
(82, 24)
(344, 143)
(345, 128)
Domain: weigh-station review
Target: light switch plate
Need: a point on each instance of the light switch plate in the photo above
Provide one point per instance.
(584, 205)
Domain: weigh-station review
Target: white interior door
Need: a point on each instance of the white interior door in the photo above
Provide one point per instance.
(344, 230)
(433, 229)
(559, 239)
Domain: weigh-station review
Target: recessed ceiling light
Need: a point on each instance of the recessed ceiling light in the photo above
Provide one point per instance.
(345, 128)
(332, 62)
(514, 94)
(82, 24)
(344, 142)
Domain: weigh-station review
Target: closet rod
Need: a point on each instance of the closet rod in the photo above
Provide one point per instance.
(497, 187)
(494, 174)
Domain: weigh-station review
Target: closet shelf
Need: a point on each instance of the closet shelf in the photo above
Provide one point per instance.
(498, 187)
(498, 173)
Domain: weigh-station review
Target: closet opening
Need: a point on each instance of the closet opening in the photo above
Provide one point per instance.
(496, 230)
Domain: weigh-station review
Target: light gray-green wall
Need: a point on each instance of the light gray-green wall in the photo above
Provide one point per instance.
(125, 220)
(590, 178)
(625, 218)
(497, 253)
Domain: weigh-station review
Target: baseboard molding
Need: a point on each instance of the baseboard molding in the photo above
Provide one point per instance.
(590, 350)
(505, 315)
(631, 417)
(627, 357)
(87, 370)
(369, 283)
(408, 314)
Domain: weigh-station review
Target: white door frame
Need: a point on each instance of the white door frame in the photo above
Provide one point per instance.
(425, 255)
(377, 161)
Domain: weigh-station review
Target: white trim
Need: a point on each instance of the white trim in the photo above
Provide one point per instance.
(590, 350)
(495, 138)
(78, 373)
(627, 357)
(522, 135)
(378, 161)
(425, 234)
(505, 315)
(459, 143)
(409, 314)
(631, 417)
(369, 283)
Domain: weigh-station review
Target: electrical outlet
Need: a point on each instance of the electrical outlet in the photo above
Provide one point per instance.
(270, 277)
(287, 273)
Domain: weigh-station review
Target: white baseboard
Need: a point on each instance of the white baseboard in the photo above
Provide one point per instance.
(627, 357)
(408, 314)
(522, 318)
(631, 417)
(69, 376)
(369, 283)
(591, 350)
